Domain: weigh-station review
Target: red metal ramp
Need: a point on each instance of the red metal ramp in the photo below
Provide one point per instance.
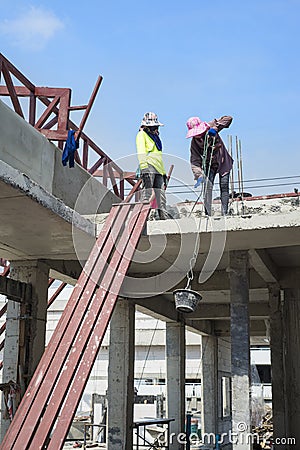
(50, 402)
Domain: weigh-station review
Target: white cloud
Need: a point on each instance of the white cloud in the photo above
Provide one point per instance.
(33, 29)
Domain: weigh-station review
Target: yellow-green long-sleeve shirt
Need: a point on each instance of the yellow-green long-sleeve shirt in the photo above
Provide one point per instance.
(148, 153)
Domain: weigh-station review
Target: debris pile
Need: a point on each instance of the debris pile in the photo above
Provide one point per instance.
(265, 431)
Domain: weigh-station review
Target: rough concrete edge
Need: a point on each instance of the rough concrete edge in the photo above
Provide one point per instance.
(28, 187)
(205, 224)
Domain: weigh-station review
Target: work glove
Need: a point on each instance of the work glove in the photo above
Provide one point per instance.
(198, 182)
(212, 132)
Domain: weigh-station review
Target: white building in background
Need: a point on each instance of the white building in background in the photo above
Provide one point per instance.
(150, 364)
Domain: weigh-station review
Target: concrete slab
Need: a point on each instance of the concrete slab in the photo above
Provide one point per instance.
(36, 225)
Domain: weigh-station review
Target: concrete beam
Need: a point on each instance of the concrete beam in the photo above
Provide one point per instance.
(66, 271)
(159, 307)
(290, 277)
(264, 265)
(137, 283)
(163, 309)
(222, 311)
(203, 327)
(257, 328)
(15, 290)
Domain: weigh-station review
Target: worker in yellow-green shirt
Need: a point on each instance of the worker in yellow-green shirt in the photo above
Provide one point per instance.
(153, 174)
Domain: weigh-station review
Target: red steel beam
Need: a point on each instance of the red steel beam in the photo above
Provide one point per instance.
(32, 108)
(88, 336)
(16, 73)
(77, 108)
(50, 352)
(3, 310)
(47, 113)
(96, 165)
(63, 116)
(119, 265)
(12, 92)
(124, 175)
(60, 134)
(3, 328)
(6, 271)
(89, 106)
(56, 293)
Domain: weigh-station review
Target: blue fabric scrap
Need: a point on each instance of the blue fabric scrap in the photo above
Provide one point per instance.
(69, 150)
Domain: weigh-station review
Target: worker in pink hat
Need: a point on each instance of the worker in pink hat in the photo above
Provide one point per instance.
(209, 156)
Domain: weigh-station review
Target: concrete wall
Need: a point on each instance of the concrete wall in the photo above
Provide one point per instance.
(27, 150)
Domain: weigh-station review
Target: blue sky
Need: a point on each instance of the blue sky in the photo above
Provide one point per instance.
(179, 59)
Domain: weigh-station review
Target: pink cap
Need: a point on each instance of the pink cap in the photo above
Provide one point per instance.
(196, 127)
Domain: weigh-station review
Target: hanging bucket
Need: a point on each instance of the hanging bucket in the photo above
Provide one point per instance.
(186, 300)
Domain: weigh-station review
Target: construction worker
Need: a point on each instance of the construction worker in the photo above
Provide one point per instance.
(153, 174)
(209, 156)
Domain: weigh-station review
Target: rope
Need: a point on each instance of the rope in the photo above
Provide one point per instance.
(190, 273)
(206, 173)
(148, 351)
(203, 350)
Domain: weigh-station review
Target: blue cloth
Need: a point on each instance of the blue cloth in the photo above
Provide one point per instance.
(198, 182)
(212, 132)
(154, 138)
(69, 150)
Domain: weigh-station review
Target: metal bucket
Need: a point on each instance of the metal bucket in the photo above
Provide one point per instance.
(186, 300)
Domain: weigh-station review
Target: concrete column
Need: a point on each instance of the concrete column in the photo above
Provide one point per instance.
(240, 348)
(121, 377)
(277, 362)
(33, 315)
(291, 317)
(10, 356)
(25, 328)
(209, 384)
(175, 362)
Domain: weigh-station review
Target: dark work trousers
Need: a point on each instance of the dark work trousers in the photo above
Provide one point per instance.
(154, 181)
(224, 192)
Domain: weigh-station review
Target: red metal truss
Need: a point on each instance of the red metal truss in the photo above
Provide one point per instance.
(54, 122)
(50, 402)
